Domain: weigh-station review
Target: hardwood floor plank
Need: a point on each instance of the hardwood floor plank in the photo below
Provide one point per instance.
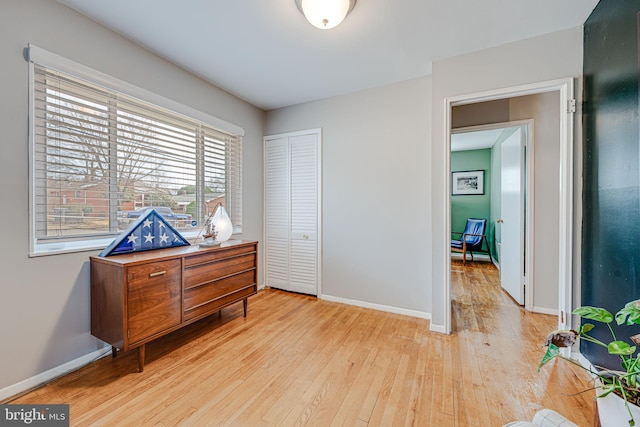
(296, 360)
(420, 404)
(386, 404)
(357, 404)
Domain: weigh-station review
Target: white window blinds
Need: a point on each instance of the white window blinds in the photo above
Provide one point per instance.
(101, 157)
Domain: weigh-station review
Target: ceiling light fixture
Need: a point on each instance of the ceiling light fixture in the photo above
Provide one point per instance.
(325, 14)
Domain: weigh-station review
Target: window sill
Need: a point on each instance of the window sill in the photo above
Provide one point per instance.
(62, 247)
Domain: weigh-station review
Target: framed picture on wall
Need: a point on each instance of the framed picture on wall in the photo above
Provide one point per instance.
(467, 183)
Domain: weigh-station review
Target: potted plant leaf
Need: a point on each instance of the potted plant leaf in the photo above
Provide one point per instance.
(623, 383)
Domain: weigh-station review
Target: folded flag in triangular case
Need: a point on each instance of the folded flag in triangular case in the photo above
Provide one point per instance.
(150, 231)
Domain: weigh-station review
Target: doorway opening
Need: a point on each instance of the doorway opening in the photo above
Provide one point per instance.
(500, 152)
(562, 212)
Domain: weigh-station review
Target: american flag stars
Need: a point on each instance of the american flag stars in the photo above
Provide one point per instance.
(150, 231)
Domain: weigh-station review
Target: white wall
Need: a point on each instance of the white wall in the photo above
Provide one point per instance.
(548, 57)
(376, 192)
(44, 302)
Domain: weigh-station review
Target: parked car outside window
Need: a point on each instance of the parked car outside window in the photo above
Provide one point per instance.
(175, 219)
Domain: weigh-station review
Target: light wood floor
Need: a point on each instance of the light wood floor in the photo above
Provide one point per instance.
(296, 360)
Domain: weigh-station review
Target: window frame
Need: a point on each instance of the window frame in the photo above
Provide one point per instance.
(36, 55)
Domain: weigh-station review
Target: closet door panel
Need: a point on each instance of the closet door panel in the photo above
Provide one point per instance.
(304, 267)
(277, 213)
(277, 263)
(304, 187)
(304, 213)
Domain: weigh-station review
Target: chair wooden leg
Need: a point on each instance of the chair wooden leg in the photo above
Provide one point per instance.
(464, 253)
(488, 249)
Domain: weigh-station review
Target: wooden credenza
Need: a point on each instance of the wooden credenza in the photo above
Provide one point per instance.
(138, 297)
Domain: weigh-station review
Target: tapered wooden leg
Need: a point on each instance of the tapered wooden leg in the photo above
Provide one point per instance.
(244, 306)
(113, 351)
(141, 351)
(464, 252)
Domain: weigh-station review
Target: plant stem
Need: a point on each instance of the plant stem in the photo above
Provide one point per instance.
(624, 396)
(593, 340)
(578, 364)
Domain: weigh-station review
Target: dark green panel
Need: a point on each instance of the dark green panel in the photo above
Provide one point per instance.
(611, 203)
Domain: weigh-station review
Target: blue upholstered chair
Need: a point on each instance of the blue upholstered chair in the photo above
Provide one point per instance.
(471, 239)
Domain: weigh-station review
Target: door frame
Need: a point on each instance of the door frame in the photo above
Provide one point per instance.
(565, 237)
(528, 200)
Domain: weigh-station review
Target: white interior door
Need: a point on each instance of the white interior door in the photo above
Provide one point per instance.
(512, 216)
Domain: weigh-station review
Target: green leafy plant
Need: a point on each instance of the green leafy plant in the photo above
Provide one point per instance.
(626, 382)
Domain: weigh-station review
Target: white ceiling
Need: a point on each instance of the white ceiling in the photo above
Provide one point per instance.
(265, 52)
(475, 140)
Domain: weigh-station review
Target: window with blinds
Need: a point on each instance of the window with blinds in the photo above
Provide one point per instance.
(100, 158)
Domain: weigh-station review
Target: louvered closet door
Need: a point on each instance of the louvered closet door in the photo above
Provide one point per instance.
(304, 209)
(292, 212)
(277, 213)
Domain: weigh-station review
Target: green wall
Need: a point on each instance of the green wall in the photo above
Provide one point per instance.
(473, 206)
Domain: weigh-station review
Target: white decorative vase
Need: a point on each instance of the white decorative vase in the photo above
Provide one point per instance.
(613, 412)
(222, 222)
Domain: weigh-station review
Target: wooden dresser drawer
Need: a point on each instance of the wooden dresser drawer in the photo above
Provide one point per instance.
(154, 272)
(210, 256)
(208, 292)
(199, 274)
(204, 300)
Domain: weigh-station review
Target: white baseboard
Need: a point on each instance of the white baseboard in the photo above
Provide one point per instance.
(51, 374)
(545, 310)
(379, 307)
(437, 328)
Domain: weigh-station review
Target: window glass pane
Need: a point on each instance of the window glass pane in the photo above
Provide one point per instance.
(156, 169)
(75, 138)
(214, 174)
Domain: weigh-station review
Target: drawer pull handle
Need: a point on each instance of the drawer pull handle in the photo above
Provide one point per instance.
(159, 273)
